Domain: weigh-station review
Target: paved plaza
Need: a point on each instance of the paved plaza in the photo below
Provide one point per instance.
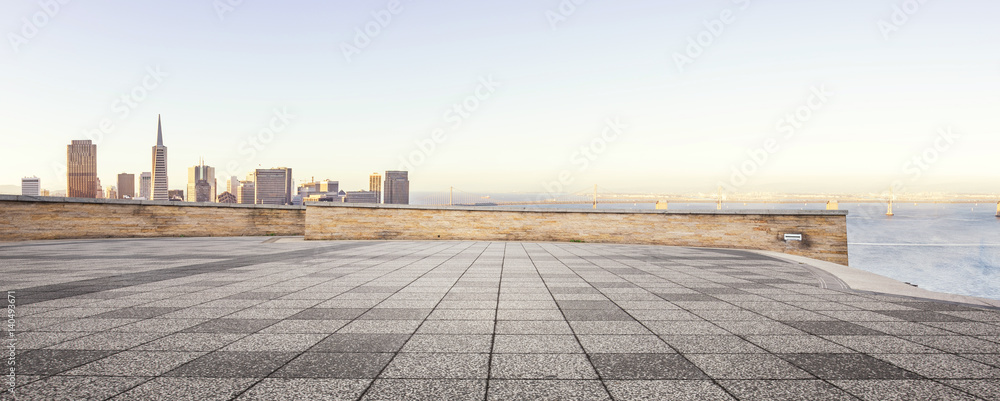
(277, 319)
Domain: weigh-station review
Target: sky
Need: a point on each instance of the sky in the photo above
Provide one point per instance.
(515, 95)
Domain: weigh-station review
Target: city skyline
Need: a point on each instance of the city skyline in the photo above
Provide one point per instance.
(636, 97)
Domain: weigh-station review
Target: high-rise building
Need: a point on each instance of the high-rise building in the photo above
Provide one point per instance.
(81, 169)
(160, 190)
(227, 197)
(203, 192)
(233, 185)
(273, 186)
(111, 192)
(199, 173)
(176, 195)
(145, 185)
(245, 195)
(397, 188)
(99, 190)
(31, 186)
(375, 185)
(319, 188)
(360, 197)
(126, 186)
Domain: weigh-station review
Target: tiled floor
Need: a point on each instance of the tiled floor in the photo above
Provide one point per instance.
(237, 318)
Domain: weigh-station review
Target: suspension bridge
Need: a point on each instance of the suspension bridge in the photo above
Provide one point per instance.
(603, 196)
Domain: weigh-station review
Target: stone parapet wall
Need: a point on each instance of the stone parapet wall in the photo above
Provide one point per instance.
(824, 233)
(34, 218)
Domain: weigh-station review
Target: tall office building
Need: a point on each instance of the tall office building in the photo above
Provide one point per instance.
(31, 186)
(176, 195)
(273, 186)
(375, 185)
(245, 195)
(319, 187)
(159, 179)
(99, 190)
(111, 192)
(233, 185)
(360, 197)
(227, 197)
(145, 184)
(397, 188)
(199, 173)
(81, 170)
(126, 186)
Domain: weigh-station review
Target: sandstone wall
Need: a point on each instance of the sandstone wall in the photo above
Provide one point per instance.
(824, 232)
(33, 218)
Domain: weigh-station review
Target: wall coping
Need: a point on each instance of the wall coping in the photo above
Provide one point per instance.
(57, 199)
(744, 212)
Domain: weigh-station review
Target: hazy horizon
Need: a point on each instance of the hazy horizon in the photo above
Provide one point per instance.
(852, 96)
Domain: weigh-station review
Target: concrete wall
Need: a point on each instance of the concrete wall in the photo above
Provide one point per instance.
(33, 218)
(824, 232)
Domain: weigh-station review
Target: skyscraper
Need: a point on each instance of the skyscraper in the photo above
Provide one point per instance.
(198, 173)
(397, 188)
(126, 186)
(81, 170)
(145, 184)
(273, 186)
(31, 186)
(159, 179)
(375, 185)
(233, 185)
(245, 195)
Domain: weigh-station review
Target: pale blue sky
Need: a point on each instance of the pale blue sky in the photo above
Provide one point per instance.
(685, 130)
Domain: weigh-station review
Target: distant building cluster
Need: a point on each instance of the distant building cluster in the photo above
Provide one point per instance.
(273, 186)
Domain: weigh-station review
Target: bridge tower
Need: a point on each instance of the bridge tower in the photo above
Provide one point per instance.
(891, 196)
(718, 206)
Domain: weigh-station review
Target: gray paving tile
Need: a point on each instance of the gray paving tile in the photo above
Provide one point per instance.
(624, 344)
(987, 389)
(53, 361)
(437, 366)
(190, 342)
(449, 343)
(798, 344)
(74, 388)
(317, 313)
(530, 390)
(555, 344)
(426, 389)
(335, 365)
(231, 326)
(784, 390)
(645, 367)
(847, 367)
(942, 366)
(187, 389)
(306, 389)
(222, 364)
(532, 327)
(711, 344)
(746, 366)
(275, 342)
(542, 366)
(135, 364)
(833, 328)
(901, 390)
(680, 390)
